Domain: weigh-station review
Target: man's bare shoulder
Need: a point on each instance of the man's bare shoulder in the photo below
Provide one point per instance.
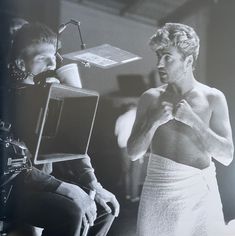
(209, 91)
(213, 94)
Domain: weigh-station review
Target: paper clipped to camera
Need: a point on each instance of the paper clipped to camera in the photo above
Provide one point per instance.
(103, 56)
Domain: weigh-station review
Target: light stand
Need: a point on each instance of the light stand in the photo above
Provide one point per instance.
(61, 28)
(103, 56)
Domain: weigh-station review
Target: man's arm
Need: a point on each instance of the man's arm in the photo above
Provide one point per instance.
(215, 139)
(85, 203)
(83, 174)
(35, 179)
(150, 115)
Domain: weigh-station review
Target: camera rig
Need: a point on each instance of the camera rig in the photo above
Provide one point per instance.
(14, 155)
(14, 158)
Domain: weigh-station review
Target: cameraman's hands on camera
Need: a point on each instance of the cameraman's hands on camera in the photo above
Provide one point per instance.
(84, 202)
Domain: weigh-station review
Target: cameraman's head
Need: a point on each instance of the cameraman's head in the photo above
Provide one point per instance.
(33, 51)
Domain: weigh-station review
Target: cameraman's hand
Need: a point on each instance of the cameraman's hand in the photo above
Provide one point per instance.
(103, 197)
(84, 202)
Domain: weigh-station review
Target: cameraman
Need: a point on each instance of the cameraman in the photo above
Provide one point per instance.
(39, 199)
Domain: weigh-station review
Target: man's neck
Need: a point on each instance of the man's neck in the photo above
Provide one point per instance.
(184, 85)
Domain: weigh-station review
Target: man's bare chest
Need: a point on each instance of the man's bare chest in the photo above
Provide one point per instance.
(197, 101)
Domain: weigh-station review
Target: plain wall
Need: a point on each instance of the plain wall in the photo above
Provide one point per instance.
(221, 74)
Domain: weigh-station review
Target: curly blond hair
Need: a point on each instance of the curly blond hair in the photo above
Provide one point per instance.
(181, 36)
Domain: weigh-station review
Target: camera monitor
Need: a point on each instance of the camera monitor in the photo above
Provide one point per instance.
(55, 121)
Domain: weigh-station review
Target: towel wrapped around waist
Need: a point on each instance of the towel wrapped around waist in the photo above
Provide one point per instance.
(179, 200)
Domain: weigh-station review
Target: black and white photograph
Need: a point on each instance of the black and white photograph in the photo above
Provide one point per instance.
(117, 118)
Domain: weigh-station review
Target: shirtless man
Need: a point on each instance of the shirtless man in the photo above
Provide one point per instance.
(185, 123)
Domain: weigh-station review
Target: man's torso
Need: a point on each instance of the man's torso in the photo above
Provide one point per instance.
(178, 141)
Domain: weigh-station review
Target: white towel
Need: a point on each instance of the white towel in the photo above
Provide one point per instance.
(179, 200)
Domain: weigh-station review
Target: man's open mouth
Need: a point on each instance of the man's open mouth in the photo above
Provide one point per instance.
(162, 74)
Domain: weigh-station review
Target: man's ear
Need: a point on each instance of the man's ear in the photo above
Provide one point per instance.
(20, 64)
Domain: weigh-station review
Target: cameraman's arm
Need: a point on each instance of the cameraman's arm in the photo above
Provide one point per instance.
(39, 181)
(84, 171)
(83, 175)
(78, 171)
